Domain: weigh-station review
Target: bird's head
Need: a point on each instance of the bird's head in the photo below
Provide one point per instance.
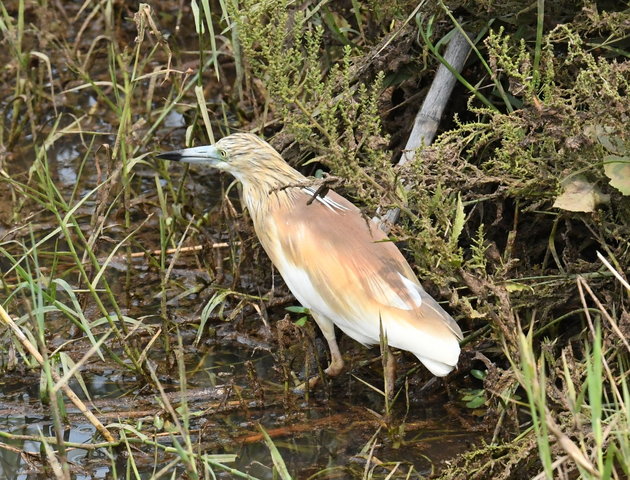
(249, 158)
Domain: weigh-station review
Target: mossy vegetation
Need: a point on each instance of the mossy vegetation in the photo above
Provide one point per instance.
(517, 216)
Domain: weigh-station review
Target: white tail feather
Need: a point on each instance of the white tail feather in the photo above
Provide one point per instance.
(437, 368)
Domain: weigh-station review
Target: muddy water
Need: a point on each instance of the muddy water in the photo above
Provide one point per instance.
(330, 431)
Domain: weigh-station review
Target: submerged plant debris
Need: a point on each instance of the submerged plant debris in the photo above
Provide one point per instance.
(145, 334)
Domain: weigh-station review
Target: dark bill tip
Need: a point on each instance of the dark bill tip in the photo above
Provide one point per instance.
(175, 156)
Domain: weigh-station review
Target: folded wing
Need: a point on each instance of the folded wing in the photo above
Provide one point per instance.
(341, 265)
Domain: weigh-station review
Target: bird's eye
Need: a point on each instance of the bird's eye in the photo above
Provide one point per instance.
(223, 154)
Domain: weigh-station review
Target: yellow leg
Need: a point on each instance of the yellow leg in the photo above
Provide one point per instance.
(328, 329)
(336, 360)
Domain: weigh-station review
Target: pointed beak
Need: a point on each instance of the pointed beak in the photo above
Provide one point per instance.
(174, 155)
(204, 155)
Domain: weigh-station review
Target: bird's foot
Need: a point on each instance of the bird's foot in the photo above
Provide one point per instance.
(303, 387)
(334, 369)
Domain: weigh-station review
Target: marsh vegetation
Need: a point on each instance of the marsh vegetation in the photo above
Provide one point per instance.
(145, 334)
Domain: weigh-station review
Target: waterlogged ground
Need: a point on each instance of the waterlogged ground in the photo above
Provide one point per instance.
(232, 389)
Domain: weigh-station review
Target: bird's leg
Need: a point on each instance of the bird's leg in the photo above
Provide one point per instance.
(336, 360)
(328, 329)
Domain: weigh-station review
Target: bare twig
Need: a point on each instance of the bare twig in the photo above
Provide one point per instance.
(613, 324)
(194, 248)
(613, 271)
(313, 183)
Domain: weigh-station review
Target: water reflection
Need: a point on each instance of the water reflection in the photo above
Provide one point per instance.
(325, 433)
(66, 157)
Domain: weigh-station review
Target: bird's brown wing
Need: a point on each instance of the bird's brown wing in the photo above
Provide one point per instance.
(340, 264)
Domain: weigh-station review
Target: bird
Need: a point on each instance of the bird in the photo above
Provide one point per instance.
(337, 262)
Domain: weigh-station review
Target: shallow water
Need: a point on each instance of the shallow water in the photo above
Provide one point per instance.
(330, 431)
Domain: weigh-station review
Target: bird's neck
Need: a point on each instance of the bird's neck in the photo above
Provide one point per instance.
(269, 190)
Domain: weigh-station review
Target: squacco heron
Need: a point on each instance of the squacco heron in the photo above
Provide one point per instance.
(336, 262)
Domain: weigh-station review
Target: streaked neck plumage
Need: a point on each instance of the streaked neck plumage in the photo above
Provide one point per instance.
(269, 187)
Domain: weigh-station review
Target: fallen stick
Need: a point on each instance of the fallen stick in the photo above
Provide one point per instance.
(428, 118)
(313, 425)
(194, 248)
